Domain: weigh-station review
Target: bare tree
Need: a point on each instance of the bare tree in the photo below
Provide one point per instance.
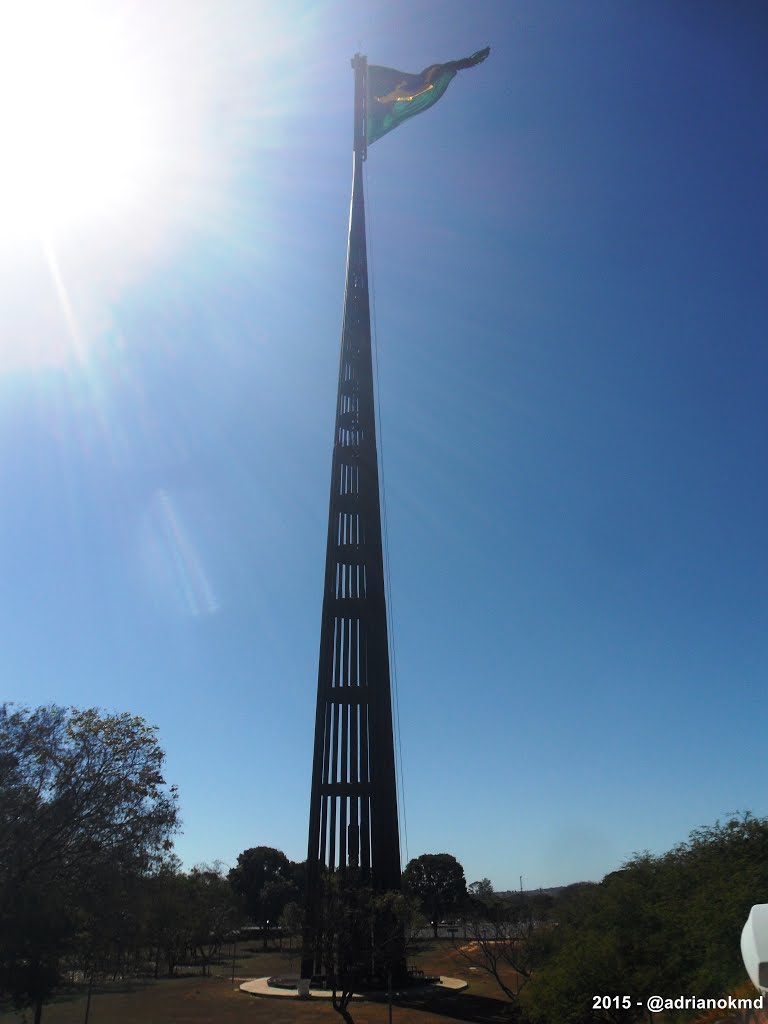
(503, 941)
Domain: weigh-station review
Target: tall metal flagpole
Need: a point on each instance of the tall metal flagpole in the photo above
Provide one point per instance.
(353, 809)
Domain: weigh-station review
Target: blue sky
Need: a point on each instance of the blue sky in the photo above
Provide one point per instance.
(568, 261)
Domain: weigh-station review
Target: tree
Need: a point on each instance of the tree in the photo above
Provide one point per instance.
(264, 877)
(82, 796)
(108, 918)
(437, 881)
(505, 941)
(480, 898)
(167, 921)
(214, 910)
(668, 923)
(292, 923)
(364, 935)
(483, 889)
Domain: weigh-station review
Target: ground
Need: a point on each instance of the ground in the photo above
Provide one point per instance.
(215, 1000)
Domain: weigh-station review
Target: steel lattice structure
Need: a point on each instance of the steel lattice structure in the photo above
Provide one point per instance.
(353, 820)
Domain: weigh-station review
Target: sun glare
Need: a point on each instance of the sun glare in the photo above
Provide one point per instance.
(75, 140)
(124, 129)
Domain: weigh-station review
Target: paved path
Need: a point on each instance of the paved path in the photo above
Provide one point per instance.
(260, 987)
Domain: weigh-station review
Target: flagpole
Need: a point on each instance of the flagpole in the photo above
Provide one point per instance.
(383, 860)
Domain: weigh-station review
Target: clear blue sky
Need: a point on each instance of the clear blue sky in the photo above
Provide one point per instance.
(569, 262)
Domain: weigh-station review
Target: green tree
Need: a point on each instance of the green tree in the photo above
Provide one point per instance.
(168, 921)
(481, 898)
(214, 910)
(563, 990)
(668, 923)
(437, 881)
(265, 879)
(364, 935)
(108, 932)
(483, 889)
(292, 923)
(82, 795)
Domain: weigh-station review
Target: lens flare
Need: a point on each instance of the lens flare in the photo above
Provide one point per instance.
(173, 562)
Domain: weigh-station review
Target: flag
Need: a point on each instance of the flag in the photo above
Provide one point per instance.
(394, 96)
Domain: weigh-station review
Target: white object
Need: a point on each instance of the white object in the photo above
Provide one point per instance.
(303, 988)
(754, 946)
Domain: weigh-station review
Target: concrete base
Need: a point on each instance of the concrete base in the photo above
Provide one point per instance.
(260, 987)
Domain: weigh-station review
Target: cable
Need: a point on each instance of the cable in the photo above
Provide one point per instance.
(400, 776)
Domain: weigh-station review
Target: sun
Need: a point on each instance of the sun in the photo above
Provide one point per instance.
(74, 112)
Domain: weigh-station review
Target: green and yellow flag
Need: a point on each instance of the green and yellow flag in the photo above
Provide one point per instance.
(394, 96)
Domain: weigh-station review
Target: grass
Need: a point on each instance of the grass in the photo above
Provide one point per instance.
(214, 1000)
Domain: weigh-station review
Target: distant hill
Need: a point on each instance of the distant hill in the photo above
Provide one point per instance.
(554, 891)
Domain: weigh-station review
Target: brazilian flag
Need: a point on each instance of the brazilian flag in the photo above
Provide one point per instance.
(394, 96)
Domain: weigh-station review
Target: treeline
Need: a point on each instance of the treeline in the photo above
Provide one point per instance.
(661, 925)
(153, 923)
